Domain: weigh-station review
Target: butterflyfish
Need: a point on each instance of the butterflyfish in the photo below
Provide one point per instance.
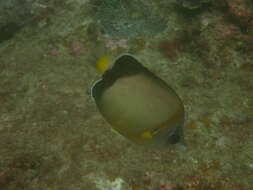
(138, 104)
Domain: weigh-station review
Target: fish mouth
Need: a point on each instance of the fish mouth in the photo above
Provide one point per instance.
(174, 138)
(176, 135)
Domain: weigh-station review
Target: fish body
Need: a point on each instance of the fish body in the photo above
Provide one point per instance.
(138, 104)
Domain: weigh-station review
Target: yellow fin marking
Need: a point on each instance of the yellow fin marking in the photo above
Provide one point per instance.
(103, 63)
(146, 135)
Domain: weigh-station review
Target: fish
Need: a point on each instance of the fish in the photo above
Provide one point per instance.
(138, 104)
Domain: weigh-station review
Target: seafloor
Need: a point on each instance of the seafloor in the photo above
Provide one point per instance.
(52, 136)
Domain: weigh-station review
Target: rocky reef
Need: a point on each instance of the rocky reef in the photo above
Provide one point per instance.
(52, 135)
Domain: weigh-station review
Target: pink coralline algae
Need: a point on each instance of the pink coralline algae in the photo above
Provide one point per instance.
(77, 48)
(54, 52)
(169, 187)
(241, 10)
(170, 49)
(225, 31)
